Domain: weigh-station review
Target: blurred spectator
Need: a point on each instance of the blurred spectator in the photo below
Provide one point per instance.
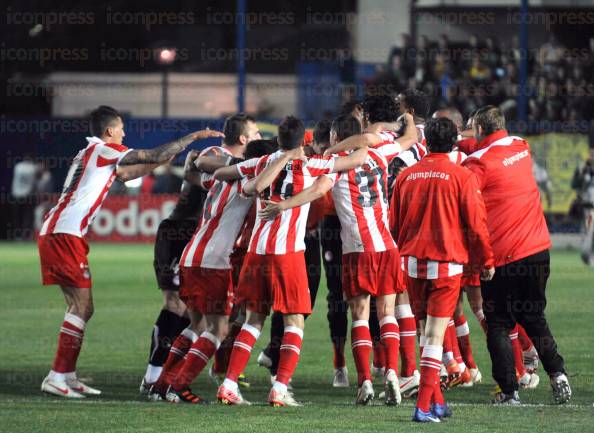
(24, 180)
(550, 53)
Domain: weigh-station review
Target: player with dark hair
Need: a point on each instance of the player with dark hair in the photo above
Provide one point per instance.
(354, 107)
(273, 273)
(62, 247)
(437, 215)
(370, 257)
(173, 234)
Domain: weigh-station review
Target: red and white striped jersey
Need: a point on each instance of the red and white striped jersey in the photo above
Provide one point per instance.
(222, 216)
(286, 232)
(89, 178)
(207, 180)
(361, 200)
(429, 269)
(417, 151)
(389, 146)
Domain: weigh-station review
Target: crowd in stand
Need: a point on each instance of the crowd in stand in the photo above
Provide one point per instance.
(474, 73)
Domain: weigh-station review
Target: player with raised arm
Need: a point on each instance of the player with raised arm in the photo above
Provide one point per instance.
(273, 273)
(173, 234)
(370, 257)
(62, 247)
(239, 130)
(206, 273)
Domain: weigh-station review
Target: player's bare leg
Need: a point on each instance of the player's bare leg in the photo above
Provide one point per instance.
(62, 379)
(390, 341)
(290, 350)
(409, 375)
(221, 359)
(228, 392)
(361, 346)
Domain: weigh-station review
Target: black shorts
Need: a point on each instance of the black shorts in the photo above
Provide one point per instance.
(172, 237)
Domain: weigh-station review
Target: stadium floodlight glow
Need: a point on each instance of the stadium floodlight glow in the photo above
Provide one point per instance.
(166, 56)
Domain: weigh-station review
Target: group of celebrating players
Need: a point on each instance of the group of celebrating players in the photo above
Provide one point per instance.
(389, 203)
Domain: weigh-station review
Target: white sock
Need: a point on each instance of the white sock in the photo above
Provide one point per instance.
(279, 387)
(230, 384)
(58, 377)
(152, 373)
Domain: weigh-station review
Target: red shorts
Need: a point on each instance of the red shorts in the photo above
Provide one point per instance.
(470, 278)
(437, 298)
(209, 291)
(64, 260)
(274, 281)
(375, 274)
(236, 258)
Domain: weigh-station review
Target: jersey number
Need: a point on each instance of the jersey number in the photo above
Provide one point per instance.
(368, 195)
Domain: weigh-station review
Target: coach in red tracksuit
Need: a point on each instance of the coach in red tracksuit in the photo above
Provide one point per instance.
(520, 240)
(437, 216)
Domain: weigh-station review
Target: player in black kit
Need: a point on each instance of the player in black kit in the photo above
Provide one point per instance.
(173, 234)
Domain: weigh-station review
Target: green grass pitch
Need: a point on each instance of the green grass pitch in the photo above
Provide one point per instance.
(116, 345)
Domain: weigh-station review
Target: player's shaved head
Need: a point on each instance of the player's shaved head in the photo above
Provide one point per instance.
(450, 113)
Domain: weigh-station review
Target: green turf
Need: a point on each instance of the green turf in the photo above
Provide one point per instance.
(117, 339)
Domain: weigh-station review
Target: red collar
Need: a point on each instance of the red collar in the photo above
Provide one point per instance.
(491, 138)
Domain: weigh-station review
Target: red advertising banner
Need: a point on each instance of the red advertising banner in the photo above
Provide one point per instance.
(124, 218)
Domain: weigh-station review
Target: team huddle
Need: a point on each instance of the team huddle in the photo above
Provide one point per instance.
(404, 213)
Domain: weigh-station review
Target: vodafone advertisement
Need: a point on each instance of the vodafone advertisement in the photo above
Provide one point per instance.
(124, 218)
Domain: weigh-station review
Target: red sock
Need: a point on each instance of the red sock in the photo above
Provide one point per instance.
(455, 346)
(524, 339)
(517, 349)
(221, 360)
(196, 359)
(379, 360)
(463, 336)
(69, 343)
(339, 359)
(430, 366)
(390, 338)
(361, 345)
(289, 353)
(408, 336)
(176, 355)
(437, 393)
(242, 348)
